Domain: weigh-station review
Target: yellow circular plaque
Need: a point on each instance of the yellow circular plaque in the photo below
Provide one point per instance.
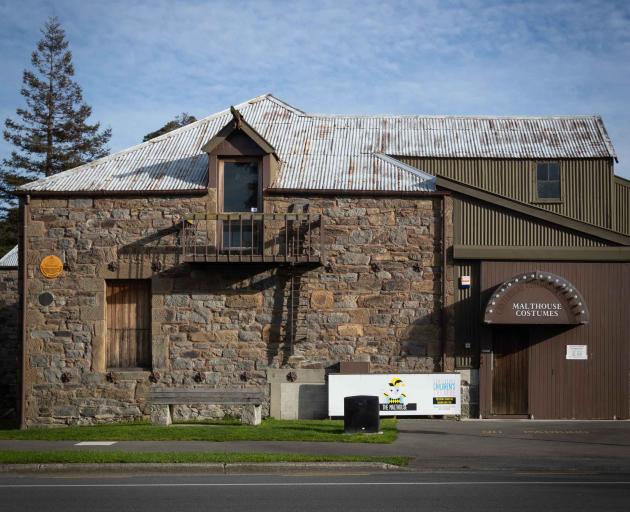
(51, 267)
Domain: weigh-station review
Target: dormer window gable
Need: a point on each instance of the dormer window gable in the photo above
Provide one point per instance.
(242, 164)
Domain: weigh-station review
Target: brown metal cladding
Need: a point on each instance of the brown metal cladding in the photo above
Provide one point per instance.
(596, 388)
(622, 202)
(586, 183)
(467, 315)
(482, 224)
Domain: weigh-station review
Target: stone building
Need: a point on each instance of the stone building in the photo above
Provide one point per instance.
(9, 339)
(262, 247)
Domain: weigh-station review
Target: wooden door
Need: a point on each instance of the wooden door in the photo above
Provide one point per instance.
(129, 323)
(510, 370)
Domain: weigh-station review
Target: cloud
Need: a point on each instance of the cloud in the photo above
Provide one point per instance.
(142, 63)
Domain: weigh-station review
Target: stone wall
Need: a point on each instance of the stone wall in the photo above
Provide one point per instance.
(376, 298)
(9, 339)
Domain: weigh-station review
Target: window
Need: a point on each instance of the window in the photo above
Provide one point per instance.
(128, 323)
(241, 194)
(548, 181)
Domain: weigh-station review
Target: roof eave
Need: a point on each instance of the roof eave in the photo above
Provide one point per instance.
(114, 193)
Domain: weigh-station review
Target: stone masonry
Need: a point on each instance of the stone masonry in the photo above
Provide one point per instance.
(9, 339)
(376, 297)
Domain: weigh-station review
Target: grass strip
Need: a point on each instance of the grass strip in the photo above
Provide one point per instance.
(99, 457)
(218, 431)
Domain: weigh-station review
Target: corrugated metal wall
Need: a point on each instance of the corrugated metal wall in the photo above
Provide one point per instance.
(622, 210)
(559, 388)
(480, 223)
(586, 183)
(467, 316)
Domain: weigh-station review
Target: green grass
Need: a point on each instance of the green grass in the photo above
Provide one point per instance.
(93, 457)
(269, 430)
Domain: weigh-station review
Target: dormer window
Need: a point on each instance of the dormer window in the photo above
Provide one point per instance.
(548, 186)
(240, 194)
(241, 186)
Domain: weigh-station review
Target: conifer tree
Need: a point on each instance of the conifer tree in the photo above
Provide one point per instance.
(51, 133)
(180, 120)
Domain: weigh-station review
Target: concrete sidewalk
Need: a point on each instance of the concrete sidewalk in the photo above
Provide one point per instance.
(600, 446)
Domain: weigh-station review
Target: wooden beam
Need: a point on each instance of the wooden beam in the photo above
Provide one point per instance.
(462, 252)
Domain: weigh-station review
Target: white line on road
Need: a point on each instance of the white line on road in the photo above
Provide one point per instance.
(96, 443)
(312, 484)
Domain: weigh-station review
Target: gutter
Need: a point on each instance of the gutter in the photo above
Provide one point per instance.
(443, 316)
(346, 192)
(109, 193)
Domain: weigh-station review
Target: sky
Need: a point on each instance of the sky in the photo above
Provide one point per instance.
(140, 63)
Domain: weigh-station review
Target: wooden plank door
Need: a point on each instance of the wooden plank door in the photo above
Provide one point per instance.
(129, 323)
(510, 371)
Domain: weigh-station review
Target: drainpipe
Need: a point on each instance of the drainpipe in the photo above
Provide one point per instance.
(22, 251)
(443, 316)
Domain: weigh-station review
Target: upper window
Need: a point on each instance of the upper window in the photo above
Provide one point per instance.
(241, 195)
(548, 181)
(241, 187)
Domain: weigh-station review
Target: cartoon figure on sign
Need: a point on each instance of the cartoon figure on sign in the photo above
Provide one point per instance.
(395, 393)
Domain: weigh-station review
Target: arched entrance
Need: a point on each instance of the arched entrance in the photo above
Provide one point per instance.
(536, 298)
(520, 311)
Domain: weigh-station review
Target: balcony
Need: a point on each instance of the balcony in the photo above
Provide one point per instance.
(293, 238)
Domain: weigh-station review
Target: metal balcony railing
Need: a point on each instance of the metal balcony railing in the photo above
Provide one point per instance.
(252, 237)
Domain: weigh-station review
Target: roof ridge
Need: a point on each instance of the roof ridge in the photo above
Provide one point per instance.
(599, 122)
(401, 165)
(284, 104)
(442, 116)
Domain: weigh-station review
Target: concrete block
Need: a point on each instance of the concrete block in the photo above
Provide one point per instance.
(161, 415)
(303, 401)
(251, 415)
(277, 376)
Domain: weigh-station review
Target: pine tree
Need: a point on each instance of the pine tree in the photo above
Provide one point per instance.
(51, 133)
(181, 120)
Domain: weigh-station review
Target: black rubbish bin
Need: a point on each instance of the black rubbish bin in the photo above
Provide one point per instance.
(361, 414)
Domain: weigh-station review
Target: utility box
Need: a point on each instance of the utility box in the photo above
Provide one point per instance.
(361, 414)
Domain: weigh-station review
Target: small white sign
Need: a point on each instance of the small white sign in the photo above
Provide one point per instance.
(577, 352)
(464, 282)
(399, 394)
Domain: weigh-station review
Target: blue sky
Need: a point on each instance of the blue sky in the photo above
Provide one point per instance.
(141, 63)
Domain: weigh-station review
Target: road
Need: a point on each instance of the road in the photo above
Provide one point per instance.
(395, 491)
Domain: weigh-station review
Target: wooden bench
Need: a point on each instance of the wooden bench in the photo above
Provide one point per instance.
(161, 401)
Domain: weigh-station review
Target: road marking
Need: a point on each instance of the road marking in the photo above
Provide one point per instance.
(96, 443)
(313, 484)
(556, 432)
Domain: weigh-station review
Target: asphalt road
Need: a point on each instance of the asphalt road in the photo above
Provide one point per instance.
(470, 491)
(443, 445)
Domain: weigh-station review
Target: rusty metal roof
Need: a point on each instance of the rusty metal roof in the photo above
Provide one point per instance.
(10, 259)
(336, 151)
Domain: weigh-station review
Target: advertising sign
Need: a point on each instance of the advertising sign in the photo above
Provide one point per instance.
(399, 394)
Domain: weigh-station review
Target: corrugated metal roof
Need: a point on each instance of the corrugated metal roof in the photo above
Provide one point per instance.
(10, 259)
(326, 151)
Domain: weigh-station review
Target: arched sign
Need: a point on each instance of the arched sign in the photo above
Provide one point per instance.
(536, 297)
